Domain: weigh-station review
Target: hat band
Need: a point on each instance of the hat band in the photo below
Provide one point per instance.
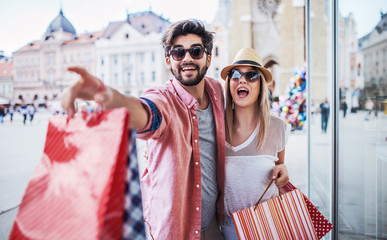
(247, 62)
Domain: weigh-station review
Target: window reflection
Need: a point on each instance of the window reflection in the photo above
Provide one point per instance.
(362, 130)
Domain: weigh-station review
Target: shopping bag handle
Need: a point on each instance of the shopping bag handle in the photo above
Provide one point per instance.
(259, 200)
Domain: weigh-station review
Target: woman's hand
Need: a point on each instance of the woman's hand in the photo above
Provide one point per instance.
(280, 174)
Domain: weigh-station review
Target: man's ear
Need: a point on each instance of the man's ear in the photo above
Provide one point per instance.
(168, 62)
(208, 60)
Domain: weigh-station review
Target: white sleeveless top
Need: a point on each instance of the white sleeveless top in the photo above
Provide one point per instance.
(249, 170)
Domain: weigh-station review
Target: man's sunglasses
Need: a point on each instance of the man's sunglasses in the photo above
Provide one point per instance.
(178, 54)
(251, 76)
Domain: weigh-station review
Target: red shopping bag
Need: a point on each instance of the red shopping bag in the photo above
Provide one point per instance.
(320, 223)
(77, 190)
(282, 217)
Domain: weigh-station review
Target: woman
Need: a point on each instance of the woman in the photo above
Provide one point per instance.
(255, 139)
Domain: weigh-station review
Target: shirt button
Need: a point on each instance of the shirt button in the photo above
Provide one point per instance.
(196, 163)
(194, 117)
(197, 208)
(197, 185)
(196, 140)
(196, 231)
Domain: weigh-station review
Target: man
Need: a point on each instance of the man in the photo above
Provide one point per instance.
(183, 123)
(324, 109)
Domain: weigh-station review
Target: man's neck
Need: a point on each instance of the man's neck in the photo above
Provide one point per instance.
(199, 93)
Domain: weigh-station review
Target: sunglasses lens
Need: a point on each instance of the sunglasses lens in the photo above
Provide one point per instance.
(178, 54)
(251, 76)
(235, 75)
(196, 52)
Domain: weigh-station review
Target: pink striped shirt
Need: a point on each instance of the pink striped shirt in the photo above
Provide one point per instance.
(171, 182)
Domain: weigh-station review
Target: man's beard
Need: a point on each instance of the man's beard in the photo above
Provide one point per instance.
(189, 82)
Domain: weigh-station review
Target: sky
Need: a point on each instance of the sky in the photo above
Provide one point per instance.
(22, 21)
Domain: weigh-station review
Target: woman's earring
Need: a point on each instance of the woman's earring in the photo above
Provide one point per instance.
(232, 104)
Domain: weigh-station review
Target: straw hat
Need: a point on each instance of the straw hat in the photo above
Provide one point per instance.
(247, 57)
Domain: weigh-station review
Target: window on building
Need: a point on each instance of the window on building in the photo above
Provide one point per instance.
(153, 76)
(86, 57)
(216, 51)
(116, 78)
(128, 77)
(51, 59)
(142, 77)
(142, 57)
(115, 59)
(128, 58)
(102, 62)
(127, 35)
(153, 56)
(103, 77)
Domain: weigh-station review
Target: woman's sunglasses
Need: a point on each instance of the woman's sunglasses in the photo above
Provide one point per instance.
(251, 76)
(178, 54)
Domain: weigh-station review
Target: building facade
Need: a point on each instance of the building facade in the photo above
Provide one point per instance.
(40, 67)
(220, 27)
(6, 78)
(129, 56)
(276, 30)
(351, 63)
(373, 47)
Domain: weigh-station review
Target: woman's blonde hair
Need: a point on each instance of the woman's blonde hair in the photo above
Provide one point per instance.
(263, 106)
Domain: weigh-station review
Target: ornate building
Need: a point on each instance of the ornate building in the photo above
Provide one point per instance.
(40, 66)
(276, 30)
(129, 53)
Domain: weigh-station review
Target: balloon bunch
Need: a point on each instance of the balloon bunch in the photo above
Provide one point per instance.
(292, 105)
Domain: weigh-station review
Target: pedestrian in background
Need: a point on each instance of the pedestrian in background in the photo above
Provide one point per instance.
(324, 110)
(2, 113)
(369, 105)
(255, 138)
(344, 108)
(11, 111)
(23, 110)
(31, 111)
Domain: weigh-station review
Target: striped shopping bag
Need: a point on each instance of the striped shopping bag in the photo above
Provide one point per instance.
(283, 217)
(320, 223)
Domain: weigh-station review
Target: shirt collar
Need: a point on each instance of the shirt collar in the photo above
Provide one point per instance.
(187, 98)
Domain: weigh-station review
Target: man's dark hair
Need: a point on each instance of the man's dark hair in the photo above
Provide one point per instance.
(185, 27)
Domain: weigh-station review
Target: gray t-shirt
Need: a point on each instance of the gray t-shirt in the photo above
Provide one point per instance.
(208, 156)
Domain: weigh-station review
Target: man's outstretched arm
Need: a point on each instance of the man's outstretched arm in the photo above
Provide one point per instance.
(89, 87)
